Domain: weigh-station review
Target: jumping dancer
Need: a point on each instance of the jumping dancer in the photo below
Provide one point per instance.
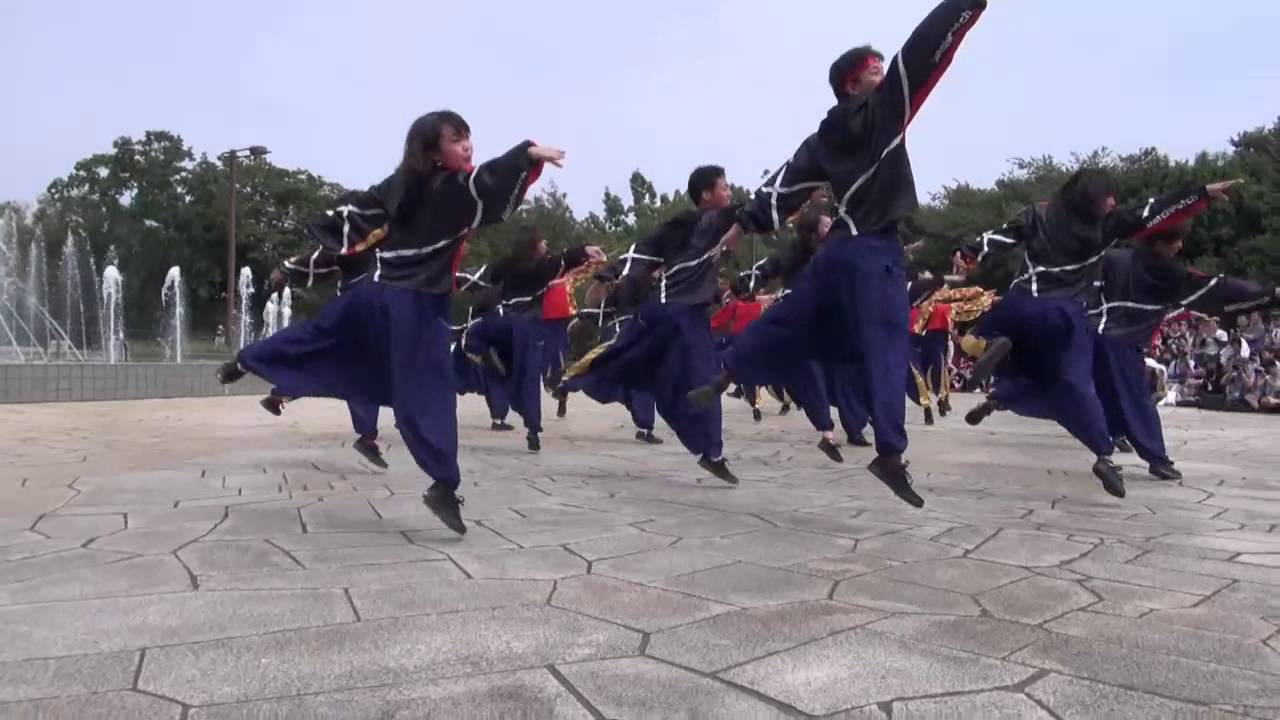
(472, 374)
(1040, 325)
(387, 341)
(669, 351)
(731, 320)
(351, 270)
(511, 336)
(1140, 287)
(850, 305)
(928, 351)
(614, 316)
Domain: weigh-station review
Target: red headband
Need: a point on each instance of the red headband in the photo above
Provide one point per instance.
(866, 65)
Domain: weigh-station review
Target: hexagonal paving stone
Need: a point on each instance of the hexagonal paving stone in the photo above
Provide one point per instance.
(1036, 599)
(533, 564)
(748, 585)
(1030, 549)
(902, 597)
(641, 687)
(636, 606)
(999, 705)
(958, 574)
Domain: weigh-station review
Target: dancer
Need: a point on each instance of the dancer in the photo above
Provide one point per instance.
(351, 270)
(805, 382)
(928, 355)
(1140, 287)
(1040, 326)
(558, 310)
(387, 341)
(472, 374)
(511, 336)
(850, 305)
(669, 351)
(614, 316)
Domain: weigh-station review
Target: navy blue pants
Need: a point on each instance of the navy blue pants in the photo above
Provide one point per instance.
(376, 345)
(1119, 373)
(481, 378)
(604, 390)
(364, 416)
(1049, 374)
(842, 390)
(665, 351)
(928, 362)
(555, 349)
(518, 342)
(849, 306)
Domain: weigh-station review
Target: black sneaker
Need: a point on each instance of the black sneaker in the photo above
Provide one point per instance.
(981, 412)
(369, 450)
(1109, 473)
(1122, 444)
(737, 393)
(229, 372)
(1164, 470)
(859, 440)
(831, 450)
(562, 406)
(535, 445)
(273, 404)
(501, 426)
(928, 416)
(647, 437)
(892, 471)
(786, 408)
(446, 505)
(756, 414)
(719, 468)
(985, 366)
(703, 396)
(944, 406)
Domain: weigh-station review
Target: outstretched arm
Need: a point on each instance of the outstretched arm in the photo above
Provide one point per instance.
(1164, 211)
(996, 242)
(786, 191)
(917, 68)
(303, 270)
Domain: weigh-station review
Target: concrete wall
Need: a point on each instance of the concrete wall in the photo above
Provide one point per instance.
(72, 382)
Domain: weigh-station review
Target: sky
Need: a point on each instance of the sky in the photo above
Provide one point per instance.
(662, 85)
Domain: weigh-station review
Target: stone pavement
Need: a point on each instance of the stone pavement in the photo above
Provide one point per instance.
(200, 559)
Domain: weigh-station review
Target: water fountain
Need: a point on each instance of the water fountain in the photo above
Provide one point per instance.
(113, 312)
(97, 300)
(72, 293)
(245, 290)
(37, 290)
(271, 315)
(175, 313)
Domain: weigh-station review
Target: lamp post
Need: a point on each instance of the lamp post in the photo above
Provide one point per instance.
(231, 157)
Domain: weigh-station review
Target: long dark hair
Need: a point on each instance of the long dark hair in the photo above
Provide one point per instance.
(1083, 193)
(423, 140)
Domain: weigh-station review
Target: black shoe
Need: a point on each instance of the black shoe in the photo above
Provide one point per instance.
(446, 505)
(984, 367)
(1164, 471)
(786, 408)
(756, 414)
(229, 372)
(928, 416)
(703, 396)
(981, 412)
(892, 471)
(719, 468)
(273, 404)
(369, 450)
(831, 450)
(535, 445)
(859, 440)
(944, 407)
(1109, 473)
(647, 437)
(501, 426)
(1122, 445)
(737, 393)
(562, 406)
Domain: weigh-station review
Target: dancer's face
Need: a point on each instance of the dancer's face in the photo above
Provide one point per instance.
(720, 197)
(824, 227)
(1168, 249)
(454, 152)
(869, 80)
(540, 250)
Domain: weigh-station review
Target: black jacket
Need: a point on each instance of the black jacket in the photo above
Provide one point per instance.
(783, 266)
(1063, 252)
(860, 148)
(1139, 289)
(687, 249)
(416, 224)
(516, 287)
(322, 264)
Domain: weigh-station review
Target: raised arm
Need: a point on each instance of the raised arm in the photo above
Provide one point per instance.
(920, 64)
(999, 241)
(495, 189)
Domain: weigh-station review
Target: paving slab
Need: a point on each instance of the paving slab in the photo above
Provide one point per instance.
(642, 687)
(75, 675)
(1075, 698)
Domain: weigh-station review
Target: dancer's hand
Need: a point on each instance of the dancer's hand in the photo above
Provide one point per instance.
(1218, 190)
(546, 153)
(958, 265)
(595, 254)
(730, 239)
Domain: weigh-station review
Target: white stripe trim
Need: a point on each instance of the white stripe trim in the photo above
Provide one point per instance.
(1034, 270)
(986, 239)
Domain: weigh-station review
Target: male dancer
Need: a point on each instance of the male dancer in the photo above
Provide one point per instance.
(669, 350)
(851, 303)
(1140, 287)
